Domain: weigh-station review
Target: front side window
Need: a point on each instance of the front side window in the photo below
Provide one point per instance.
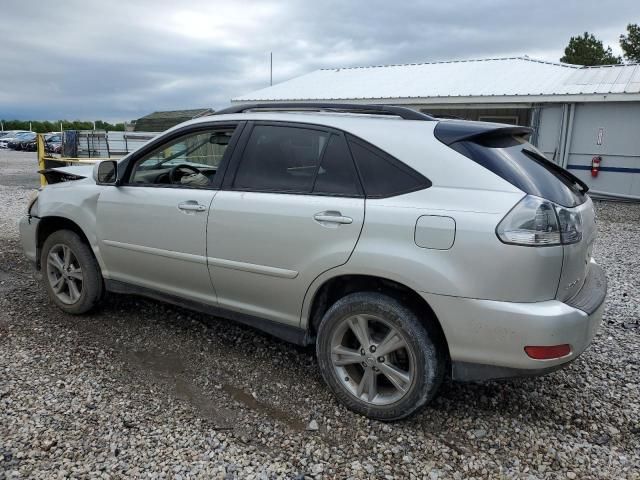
(191, 160)
(283, 159)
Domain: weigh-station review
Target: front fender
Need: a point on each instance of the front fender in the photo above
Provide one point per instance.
(76, 202)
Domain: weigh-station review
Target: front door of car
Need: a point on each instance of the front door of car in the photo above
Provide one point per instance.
(291, 208)
(152, 229)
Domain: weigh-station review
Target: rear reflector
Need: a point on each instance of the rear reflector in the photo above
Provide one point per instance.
(546, 353)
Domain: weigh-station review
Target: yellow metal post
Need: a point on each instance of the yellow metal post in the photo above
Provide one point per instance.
(41, 155)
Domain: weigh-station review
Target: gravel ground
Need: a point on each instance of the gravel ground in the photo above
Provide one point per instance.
(142, 389)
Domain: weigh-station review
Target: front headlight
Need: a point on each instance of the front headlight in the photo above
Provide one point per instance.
(536, 222)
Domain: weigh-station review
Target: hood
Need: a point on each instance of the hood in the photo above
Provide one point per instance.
(67, 174)
(83, 171)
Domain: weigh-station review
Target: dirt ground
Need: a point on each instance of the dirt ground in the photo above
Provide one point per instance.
(143, 389)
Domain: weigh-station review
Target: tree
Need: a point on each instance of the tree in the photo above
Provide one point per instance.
(47, 126)
(630, 43)
(588, 50)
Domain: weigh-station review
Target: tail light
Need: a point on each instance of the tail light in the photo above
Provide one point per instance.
(536, 222)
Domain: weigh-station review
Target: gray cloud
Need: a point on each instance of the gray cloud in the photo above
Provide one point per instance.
(119, 60)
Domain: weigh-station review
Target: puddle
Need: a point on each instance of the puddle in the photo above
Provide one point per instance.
(169, 367)
(250, 401)
(156, 360)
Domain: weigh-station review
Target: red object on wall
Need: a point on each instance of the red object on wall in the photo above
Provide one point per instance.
(595, 165)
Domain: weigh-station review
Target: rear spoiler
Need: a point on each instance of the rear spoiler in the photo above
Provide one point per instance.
(451, 131)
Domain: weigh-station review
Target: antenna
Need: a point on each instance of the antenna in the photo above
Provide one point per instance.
(270, 68)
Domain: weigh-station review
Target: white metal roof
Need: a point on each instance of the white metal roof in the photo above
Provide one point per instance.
(494, 77)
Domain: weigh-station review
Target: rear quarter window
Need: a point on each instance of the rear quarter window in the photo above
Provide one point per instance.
(383, 175)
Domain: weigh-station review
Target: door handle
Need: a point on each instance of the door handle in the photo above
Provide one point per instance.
(192, 206)
(332, 217)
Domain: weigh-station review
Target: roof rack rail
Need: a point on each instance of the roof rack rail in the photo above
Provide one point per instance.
(402, 112)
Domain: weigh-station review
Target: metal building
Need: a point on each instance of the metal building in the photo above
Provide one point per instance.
(161, 121)
(580, 115)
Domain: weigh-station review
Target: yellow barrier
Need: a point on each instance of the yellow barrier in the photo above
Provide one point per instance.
(43, 157)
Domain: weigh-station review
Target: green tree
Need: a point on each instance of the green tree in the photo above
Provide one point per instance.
(588, 50)
(630, 43)
(47, 126)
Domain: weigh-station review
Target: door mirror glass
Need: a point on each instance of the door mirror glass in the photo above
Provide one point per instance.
(106, 172)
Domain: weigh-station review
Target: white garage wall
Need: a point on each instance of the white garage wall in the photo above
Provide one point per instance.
(549, 131)
(619, 146)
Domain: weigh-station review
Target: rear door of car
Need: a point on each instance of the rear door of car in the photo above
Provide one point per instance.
(291, 207)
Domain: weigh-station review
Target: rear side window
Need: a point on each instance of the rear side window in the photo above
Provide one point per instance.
(381, 174)
(519, 163)
(283, 159)
(337, 174)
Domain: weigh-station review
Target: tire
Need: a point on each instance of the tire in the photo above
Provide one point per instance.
(418, 356)
(87, 281)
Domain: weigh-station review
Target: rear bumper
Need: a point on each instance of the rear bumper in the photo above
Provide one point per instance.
(28, 227)
(487, 338)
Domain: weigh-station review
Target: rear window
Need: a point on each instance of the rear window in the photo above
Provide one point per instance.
(522, 165)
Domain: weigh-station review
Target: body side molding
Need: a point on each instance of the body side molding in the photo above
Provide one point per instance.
(252, 268)
(189, 257)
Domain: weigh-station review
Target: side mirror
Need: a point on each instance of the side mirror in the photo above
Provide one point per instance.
(106, 172)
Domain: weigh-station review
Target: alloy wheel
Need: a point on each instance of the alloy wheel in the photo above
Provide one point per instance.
(64, 274)
(373, 359)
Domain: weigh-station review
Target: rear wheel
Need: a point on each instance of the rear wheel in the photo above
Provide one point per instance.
(377, 357)
(71, 273)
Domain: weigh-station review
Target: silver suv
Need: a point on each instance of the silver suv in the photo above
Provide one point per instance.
(405, 248)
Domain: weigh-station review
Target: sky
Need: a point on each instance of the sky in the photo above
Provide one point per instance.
(119, 60)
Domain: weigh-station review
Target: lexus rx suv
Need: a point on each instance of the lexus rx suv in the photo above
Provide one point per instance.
(405, 248)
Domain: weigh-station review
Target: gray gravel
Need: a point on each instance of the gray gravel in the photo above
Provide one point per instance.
(142, 389)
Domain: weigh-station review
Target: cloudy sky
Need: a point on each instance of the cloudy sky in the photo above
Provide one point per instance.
(118, 60)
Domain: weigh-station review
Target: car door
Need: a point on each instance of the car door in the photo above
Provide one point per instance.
(152, 229)
(291, 207)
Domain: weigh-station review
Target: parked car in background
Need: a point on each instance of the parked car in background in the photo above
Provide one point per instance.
(53, 143)
(20, 141)
(10, 137)
(30, 146)
(473, 259)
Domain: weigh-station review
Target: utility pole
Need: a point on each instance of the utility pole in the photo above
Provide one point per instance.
(270, 68)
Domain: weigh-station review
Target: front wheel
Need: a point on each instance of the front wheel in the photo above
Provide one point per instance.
(377, 357)
(71, 273)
